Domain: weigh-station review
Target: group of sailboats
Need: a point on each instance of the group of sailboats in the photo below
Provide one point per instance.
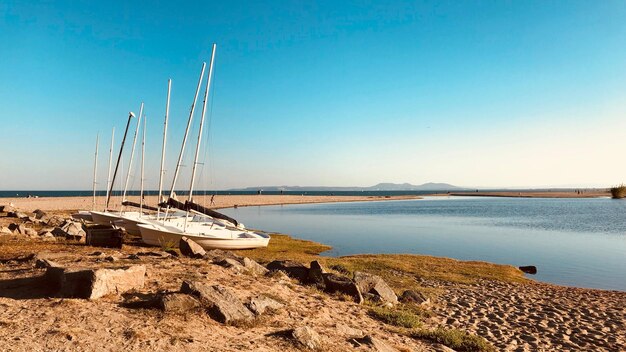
(170, 220)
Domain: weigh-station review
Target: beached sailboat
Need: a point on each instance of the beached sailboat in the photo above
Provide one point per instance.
(220, 231)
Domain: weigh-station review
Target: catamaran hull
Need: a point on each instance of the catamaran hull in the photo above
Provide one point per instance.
(157, 237)
(104, 218)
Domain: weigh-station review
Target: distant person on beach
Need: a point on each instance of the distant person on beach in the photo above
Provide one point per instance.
(212, 198)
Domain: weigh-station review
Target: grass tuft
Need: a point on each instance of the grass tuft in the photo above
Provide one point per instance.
(401, 316)
(456, 339)
(618, 192)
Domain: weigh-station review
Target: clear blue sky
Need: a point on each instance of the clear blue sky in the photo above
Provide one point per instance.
(509, 93)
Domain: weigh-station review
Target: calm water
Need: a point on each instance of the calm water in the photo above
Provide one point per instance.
(576, 242)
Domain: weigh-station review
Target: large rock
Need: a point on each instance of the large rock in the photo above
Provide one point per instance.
(189, 248)
(6, 208)
(223, 305)
(43, 263)
(55, 221)
(94, 283)
(218, 254)
(39, 214)
(307, 337)
(17, 214)
(74, 231)
(260, 304)
(253, 267)
(374, 284)
(177, 303)
(293, 269)
(334, 283)
(415, 297)
(375, 344)
(5, 231)
(229, 264)
(316, 274)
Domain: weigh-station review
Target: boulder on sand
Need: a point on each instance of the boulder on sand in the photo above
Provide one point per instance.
(529, 269)
(374, 284)
(316, 274)
(177, 303)
(260, 304)
(307, 337)
(189, 248)
(410, 296)
(94, 283)
(340, 284)
(223, 305)
(293, 269)
(253, 267)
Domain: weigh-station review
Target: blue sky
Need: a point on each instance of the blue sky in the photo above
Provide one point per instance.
(510, 93)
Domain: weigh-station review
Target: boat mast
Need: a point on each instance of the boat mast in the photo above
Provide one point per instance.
(95, 172)
(162, 173)
(143, 160)
(182, 149)
(204, 104)
(119, 157)
(110, 160)
(132, 153)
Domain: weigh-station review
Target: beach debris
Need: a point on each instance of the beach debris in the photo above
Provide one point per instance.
(307, 337)
(292, 268)
(94, 283)
(375, 285)
(261, 304)
(177, 302)
(375, 344)
(189, 248)
(530, 269)
(103, 236)
(334, 283)
(222, 304)
(253, 267)
(43, 263)
(415, 297)
(316, 274)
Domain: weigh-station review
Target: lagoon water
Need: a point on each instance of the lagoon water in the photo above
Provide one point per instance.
(574, 242)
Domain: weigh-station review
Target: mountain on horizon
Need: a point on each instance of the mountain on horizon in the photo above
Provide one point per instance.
(430, 186)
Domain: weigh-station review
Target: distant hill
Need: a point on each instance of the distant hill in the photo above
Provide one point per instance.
(430, 186)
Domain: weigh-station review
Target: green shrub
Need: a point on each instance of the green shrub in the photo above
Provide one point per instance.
(397, 316)
(456, 339)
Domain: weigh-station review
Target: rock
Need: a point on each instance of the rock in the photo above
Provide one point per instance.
(46, 263)
(177, 303)
(230, 264)
(307, 337)
(218, 254)
(278, 275)
(345, 330)
(74, 231)
(335, 283)
(94, 283)
(172, 252)
(17, 214)
(260, 304)
(39, 214)
(410, 296)
(341, 269)
(47, 236)
(374, 284)
(223, 305)
(293, 269)
(55, 221)
(111, 258)
(7, 208)
(13, 226)
(189, 248)
(254, 267)
(133, 257)
(316, 274)
(375, 344)
(530, 269)
(5, 231)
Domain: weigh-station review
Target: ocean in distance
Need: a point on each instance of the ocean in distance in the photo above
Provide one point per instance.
(573, 242)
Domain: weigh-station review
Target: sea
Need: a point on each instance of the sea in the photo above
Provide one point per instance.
(574, 242)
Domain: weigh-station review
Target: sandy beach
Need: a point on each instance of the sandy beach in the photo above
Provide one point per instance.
(69, 204)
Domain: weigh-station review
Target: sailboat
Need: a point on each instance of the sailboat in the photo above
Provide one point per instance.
(219, 231)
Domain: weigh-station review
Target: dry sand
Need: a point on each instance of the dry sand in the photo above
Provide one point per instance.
(220, 201)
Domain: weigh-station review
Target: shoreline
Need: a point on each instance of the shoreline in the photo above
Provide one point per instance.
(531, 194)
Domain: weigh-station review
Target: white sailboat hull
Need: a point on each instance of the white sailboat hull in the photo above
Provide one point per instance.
(216, 238)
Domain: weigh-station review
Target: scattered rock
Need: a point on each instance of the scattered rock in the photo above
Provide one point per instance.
(335, 283)
(95, 283)
(189, 248)
(254, 267)
(172, 252)
(260, 304)
(13, 226)
(316, 274)
(46, 263)
(410, 296)
(307, 337)
(293, 269)
(133, 257)
(73, 231)
(223, 305)
(177, 303)
(5, 231)
(111, 258)
(530, 269)
(230, 264)
(157, 254)
(55, 221)
(39, 214)
(278, 275)
(345, 330)
(7, 208)
(17, 214)
(218, 254)
(374, 284)
(341, 269)
(375, 344)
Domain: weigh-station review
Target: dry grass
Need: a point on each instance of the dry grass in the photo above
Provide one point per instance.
(618, 192)
(404, 316)
(456, 339)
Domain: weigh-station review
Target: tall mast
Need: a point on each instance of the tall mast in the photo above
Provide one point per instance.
(95, 172)
(182, 149)
(204, 104)
(162, 173)
(110, 160)
(132, 153)
(143, 161)
(119, 157)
